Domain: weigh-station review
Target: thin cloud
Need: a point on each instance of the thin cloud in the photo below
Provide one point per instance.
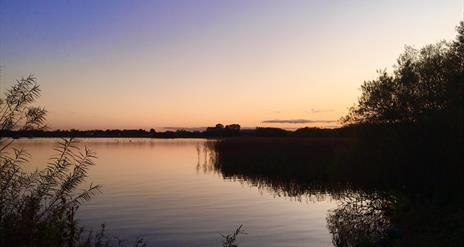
(297, 121)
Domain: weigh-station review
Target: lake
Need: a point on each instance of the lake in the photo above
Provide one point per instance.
(166, 192)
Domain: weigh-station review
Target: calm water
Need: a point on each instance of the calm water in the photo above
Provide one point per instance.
(165, 192)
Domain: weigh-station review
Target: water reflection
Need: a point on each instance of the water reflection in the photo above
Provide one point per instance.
(205, 157)
(361, 217)
(360, 220)
(169, 193)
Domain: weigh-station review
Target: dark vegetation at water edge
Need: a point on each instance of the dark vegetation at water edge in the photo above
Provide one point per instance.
(396, 190)
(398, 174)
(39, 208)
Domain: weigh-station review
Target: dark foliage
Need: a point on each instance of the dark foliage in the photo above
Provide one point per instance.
(396, 169)
(426, 85)
(38, 208)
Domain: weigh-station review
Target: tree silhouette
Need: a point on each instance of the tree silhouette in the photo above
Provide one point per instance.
(426, 84)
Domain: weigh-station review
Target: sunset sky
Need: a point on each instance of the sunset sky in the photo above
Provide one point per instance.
(195, 63)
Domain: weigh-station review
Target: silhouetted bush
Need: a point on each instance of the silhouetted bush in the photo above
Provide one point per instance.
(397, 167)
(38, 208)
(426, 85)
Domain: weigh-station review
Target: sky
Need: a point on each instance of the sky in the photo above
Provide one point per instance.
(195, 63)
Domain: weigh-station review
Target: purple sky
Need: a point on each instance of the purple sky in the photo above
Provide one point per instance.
(143, 64)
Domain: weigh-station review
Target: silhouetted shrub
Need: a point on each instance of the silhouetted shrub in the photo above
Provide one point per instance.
(426, 85)
(38, 208)
(398, 169)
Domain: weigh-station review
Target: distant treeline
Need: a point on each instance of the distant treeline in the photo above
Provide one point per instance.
(211, 132)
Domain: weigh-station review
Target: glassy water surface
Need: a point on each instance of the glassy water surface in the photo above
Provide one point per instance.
(166, 192)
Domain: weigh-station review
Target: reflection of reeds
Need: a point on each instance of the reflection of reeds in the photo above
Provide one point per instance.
(230, 240)
(361, 219)
(290, 167)
(205, 156)
(388, 180)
